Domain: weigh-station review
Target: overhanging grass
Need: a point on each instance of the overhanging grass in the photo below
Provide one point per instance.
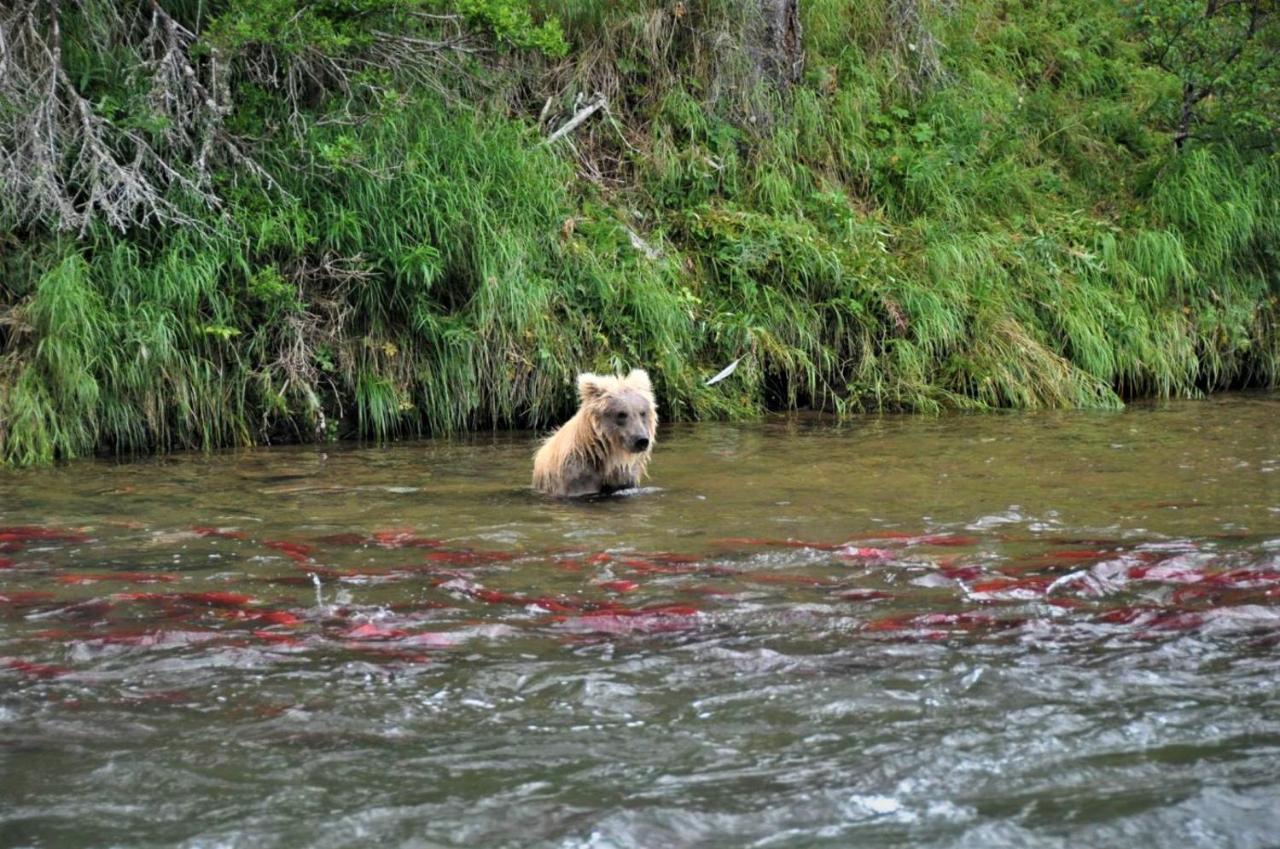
(1010, 228)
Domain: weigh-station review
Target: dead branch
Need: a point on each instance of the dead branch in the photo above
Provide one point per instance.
(914, 42)
(320, 321)
(65, 162)
(573, 123)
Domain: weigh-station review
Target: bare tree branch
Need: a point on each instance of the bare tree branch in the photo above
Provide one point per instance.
(573, 123)
(65, 163)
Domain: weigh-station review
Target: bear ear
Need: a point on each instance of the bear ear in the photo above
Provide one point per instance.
(639, 379)
(589, 387)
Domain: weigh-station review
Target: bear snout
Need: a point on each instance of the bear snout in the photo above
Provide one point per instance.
(640, 443)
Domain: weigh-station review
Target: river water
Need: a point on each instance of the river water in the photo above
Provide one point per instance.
(1051, 629)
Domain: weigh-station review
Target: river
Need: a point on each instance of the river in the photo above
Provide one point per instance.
(1056, 629)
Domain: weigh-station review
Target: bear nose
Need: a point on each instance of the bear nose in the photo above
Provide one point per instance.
(642, 442)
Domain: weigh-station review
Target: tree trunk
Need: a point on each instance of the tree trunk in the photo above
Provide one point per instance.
(1191, 95)
(781, 57)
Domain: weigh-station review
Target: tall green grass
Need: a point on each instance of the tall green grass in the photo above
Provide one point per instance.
(1006, 227)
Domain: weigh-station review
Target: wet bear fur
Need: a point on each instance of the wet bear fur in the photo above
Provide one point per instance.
(606, 446)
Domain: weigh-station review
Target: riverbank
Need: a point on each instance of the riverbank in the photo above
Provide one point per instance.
(978, 207)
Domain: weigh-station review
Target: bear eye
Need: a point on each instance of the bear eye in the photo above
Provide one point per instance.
(622, 417)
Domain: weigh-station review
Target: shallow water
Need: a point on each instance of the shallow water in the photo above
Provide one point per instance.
(1030, 629)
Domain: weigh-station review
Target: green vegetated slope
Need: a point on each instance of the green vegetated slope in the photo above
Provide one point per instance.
(974, 205)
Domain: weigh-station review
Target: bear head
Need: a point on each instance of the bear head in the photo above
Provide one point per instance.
(621, 410)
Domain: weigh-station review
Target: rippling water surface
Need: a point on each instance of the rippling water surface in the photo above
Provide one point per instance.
(1035, 629)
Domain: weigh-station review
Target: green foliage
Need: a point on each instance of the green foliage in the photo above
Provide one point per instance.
(337, 28)
(1008, 228)
(290, 27)
(511, 22)
(1224, 53)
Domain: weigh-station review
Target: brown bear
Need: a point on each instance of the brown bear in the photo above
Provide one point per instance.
(606, 445)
